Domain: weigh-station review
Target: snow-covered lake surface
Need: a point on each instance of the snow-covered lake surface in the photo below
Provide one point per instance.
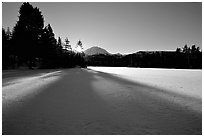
(182, 81)
(102, 101)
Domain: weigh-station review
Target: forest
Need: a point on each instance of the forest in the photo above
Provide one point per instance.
(32, 44)
(181, 58)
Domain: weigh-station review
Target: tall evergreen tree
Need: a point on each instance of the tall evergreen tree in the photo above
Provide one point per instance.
(5, 49)
(79, 45)
(59, 42)
(8, 34)
(67, 45)
(27, 33)
(193, 49)
(48, 47)
(178, 50)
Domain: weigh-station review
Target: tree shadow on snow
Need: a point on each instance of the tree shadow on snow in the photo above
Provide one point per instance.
(71, 106)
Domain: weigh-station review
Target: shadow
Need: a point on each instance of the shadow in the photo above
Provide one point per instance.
(24, 73)
(71, 106)
(155, 89)
(15, 76)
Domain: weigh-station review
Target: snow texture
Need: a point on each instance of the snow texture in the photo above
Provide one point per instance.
(181, 81)
(101, 101)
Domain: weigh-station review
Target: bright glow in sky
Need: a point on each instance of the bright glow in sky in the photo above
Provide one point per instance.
(78, 49)
(119, 27)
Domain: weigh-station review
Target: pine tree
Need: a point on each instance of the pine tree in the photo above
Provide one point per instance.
(193, 48)
(5, 49)
(59, 42)
(67, 45)
(27, 33)
(79, 45)
(48, 47)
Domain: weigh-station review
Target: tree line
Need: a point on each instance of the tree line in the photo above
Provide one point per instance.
(32, 44)
(181, 58)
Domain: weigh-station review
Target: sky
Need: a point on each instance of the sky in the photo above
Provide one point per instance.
(126, 27)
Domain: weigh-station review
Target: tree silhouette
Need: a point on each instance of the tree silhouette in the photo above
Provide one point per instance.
(48, 47)
(67, 45)
(59, 42)
(79, 45)
(198, 49)
(32, 44)
(178, 50)
(27, 33)
(6, 48)
(193, 49)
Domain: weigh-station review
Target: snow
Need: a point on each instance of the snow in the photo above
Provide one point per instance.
(19, 89)
(101, 100)
(181, 81)
(176, 85)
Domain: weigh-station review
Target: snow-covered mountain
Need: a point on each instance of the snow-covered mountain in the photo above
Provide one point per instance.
(95, 50)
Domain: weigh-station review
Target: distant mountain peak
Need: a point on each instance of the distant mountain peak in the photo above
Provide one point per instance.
(96, 50)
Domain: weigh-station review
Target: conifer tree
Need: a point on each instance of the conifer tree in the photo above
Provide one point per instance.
(27, 33)
(48, 47)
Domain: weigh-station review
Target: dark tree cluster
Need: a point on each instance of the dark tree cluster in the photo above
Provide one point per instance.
(107, 60)
(34, 45)
(7, 57)
(185, 58)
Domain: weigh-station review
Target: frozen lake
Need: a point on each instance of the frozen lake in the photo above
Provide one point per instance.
(182, 81)
(102, 101)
